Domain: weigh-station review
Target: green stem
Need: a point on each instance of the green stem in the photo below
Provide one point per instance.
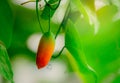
(63, 22)
(36, 12)
(58, 30)
(49, 21)
(59, 53)
(38, 16)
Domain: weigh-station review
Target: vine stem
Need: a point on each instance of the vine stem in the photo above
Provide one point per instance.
(49, 20)
(49, 5)
(58, 30)
(59, 53)
(36, 12)
(38, 16)
(66, 14)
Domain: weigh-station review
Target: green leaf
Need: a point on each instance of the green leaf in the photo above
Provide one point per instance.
(106, 13)
(72, 43)
(78, 4)
(45, 13)
(53, 4)
(6, 23)
(87, 10)
(70, 29)
(89, 4)
(5, 66)
(105, 49)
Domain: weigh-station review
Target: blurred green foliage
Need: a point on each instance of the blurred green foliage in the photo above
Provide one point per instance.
(6, 27)
(6, 23)
(101, 49)
(5, 66)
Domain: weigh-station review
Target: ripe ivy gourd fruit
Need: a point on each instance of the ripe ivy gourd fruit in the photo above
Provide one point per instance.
(45, 49)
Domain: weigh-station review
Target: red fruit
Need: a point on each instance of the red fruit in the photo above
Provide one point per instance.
(45, 50)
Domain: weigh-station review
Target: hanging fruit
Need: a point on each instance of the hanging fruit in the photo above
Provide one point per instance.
(45, 50)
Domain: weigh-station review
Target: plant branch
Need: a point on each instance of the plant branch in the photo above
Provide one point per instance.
(37, 12)
(65, 17)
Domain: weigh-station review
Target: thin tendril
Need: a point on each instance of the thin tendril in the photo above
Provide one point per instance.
(26, 2)
(52, 4)
(38, 16)
(59, 53)
(58, 30)
(68, 9)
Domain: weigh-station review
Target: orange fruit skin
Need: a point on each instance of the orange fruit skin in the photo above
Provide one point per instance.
(45, 50)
